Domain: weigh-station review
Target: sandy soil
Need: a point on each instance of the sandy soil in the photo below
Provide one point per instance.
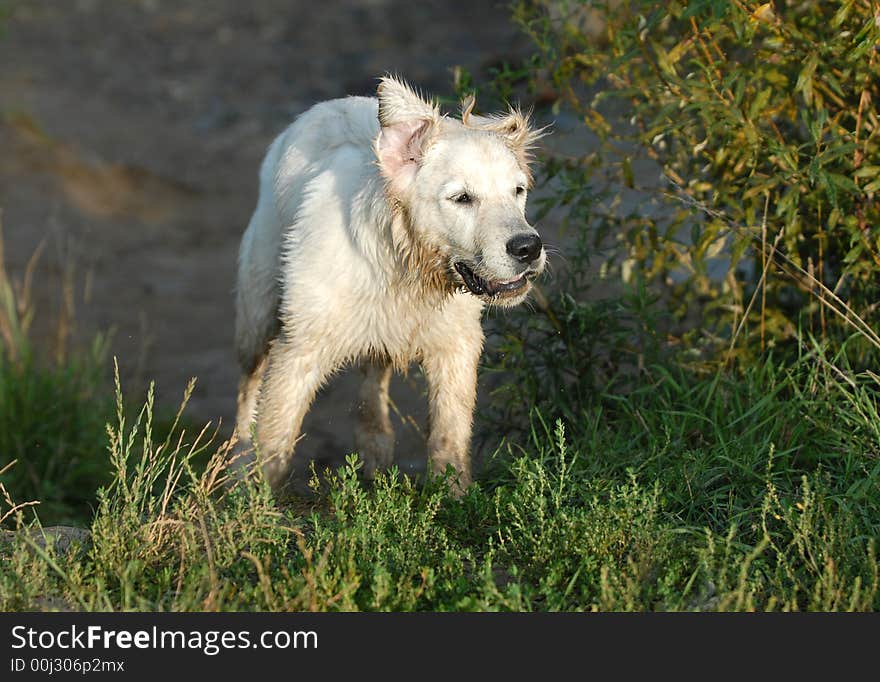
(131, 132)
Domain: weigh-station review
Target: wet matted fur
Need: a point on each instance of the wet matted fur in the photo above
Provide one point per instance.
(382, 231)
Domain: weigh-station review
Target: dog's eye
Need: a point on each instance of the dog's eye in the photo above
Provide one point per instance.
(463, 198)
(520, 190)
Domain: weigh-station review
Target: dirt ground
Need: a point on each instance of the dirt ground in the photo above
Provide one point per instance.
(131, 132)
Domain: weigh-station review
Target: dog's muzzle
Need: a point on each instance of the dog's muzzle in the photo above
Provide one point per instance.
(479, 286)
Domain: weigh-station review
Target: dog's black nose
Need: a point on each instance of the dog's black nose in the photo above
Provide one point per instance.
(525, 247)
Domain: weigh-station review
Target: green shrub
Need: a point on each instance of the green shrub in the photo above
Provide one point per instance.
(763, 121)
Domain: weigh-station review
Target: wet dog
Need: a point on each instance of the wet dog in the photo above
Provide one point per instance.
(382, 231)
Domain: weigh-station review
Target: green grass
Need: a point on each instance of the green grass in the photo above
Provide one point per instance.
(52, 424)
(742, 490)
(54, 411)
(53, 407)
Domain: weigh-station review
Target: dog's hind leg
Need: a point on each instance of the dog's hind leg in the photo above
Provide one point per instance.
(293, 374)
(257, 293)
(248, 391)
(373, 433)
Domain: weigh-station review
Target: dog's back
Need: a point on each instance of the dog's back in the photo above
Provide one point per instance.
(326, 139)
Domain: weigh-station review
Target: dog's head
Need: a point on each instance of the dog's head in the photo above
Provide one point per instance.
(463, 186)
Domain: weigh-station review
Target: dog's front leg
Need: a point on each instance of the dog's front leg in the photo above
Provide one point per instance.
(293, 376)
(451, 372)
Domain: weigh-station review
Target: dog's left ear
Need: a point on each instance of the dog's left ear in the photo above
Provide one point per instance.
(514, 127)
(409, 125)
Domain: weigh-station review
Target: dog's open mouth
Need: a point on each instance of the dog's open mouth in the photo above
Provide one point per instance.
(482, 287)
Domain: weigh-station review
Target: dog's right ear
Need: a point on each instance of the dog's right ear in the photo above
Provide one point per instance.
(409, 125)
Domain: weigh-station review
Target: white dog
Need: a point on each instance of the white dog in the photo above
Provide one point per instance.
(382, 230)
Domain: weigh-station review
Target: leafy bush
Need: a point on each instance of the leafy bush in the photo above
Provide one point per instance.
(762, 118)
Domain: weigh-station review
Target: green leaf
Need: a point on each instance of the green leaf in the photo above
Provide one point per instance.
(804, 83)
(760, 102)
(867, 172)
(626, 167)
(872, 186)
